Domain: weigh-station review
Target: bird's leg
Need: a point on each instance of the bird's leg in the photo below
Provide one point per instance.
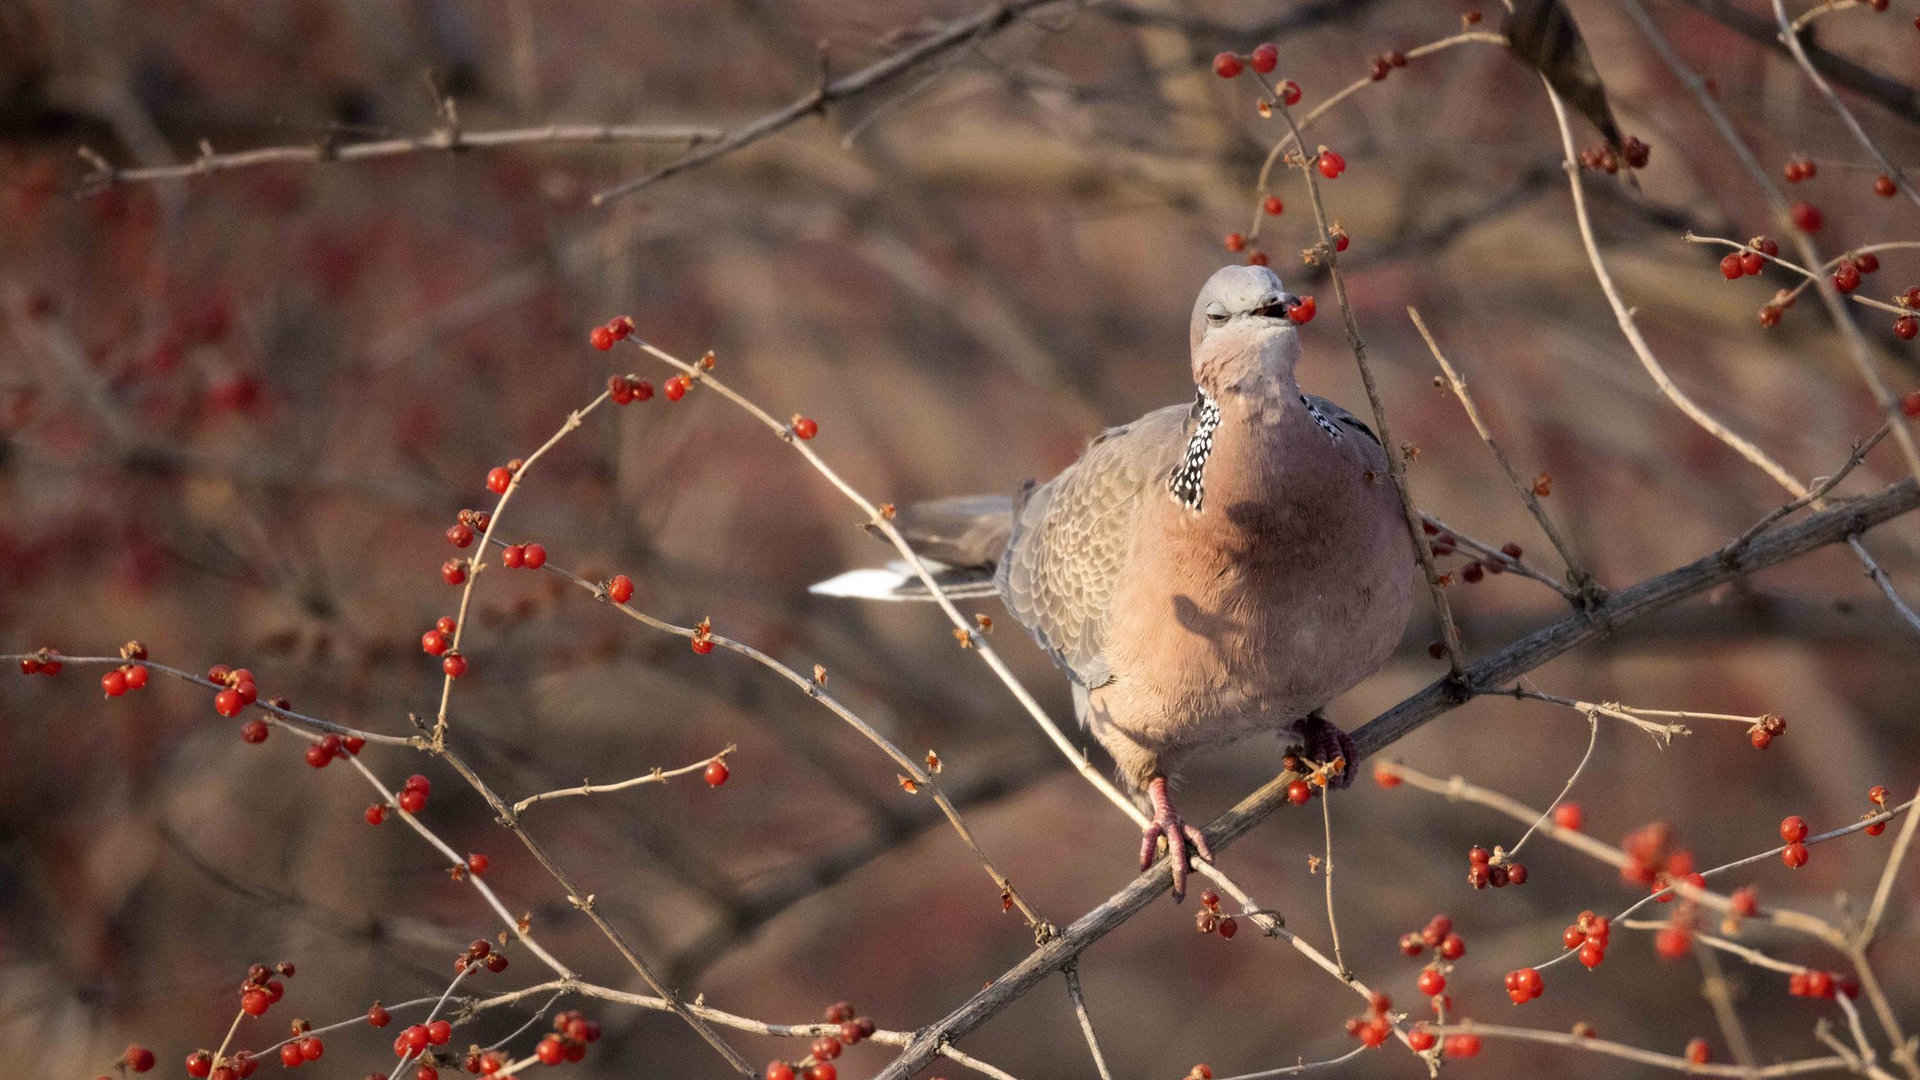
(1167, 823)
(1323, 741)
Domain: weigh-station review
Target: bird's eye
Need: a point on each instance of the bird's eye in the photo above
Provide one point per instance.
(1216, 314)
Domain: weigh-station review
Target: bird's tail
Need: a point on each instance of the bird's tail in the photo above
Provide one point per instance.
(960, 539)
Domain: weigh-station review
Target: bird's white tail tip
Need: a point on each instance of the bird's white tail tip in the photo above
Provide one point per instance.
(869, 584)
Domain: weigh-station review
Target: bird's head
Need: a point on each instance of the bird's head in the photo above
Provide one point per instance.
(1240, 329)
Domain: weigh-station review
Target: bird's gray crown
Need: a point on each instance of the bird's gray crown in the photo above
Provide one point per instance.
(1238, 292)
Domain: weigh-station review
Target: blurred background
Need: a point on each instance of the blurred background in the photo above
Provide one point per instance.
(239, 412)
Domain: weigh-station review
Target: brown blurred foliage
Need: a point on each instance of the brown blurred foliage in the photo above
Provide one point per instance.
(238, 412)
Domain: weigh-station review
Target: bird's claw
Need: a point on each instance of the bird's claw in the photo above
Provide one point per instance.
(1179, 834)
(1323, 741)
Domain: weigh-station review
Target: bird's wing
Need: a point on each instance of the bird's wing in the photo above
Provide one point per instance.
(1339, 415)
(1072, 535)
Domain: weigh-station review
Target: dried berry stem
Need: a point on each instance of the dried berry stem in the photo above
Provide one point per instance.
(656, 776)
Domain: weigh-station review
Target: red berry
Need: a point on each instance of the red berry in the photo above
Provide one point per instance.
(1340, 238)
(535, 557)
(1265, 58)
(1272, 204)
(424, 1072)
(1793, 828)
(1516, 874)
(1236, 242)
(1751, 263)
(317, 756)
(1330, 164)
(1867, 261)
(1591, 955)
(311, 1048)
(1419, 1038)
(255, 1002)
(459, 535)
(412, 800)
(1819, 984)
(1697, 1051)
(1378, 68)
(1795, 855)
(1453, 946)
(138, 1058)
(1910, 403)
(513, 556)
(454, 571)
(703, 646)
(1905, 327)
(444, 624)
(716, 772)
(1290, 92)
(454, 665)
(439, 1031)
(254, 731)
(823, 1071)
(499, 478)
(619, 389)
(778, 1070)
(1569, 816)
(620, 328)
(1770, 315)
(620, 589)
(826, 1048)
(477, 864)
(1229, 927)
(414, 1038)
(352, 744)
(290, 1055)
(1760, 738)
(1672, 942)
(642, 390)
(1384, 775)
(1883, 186)
(1573, 937)
(375, 814)
(1730, 267)
(228, 702)
(1847, 277)
(1528, 981)
(1379, 1002)
(199, 1064)
(805, 427)
(1302, 312)
(1479, 856)
(1432, 981)
(114, 683)
(551, 1050)
(1226, 65)
(1462, 1045)
(1806, 217)
(840, 1011)
(601, 338)
(1258, 258)
(434, 643)
(1299, 792)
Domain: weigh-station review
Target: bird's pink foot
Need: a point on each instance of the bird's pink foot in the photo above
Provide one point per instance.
(1167, 823)
(1322, 741)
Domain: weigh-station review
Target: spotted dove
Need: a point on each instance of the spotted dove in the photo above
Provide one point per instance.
(1206, 572)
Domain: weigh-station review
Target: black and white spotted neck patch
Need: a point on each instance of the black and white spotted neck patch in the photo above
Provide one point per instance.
(1186, 485)
(1326, 422)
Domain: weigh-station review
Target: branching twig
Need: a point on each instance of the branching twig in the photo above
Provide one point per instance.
(1072, 974)
(1577, 575)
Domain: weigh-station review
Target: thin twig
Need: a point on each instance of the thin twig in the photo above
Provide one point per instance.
(1713, 987)
(103, 175)
(1593, 738)
(1881, 579)
(1072, 974)
(1861, 448)
(1326, 869)
(1577, 574)
(656, 776)
(1895, 856)
(983, 23)
(1492, 555)
(1591, 1044)
(1790, 37)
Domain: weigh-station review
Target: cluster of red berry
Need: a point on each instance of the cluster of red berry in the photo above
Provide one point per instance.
(1589, 933)
(469, 524)
(572, 1031)
(818, 1065)
(1375, 1026)
(625, 390)
(1208, 919)
(615, 329)
(1437, 935)
(262, 990)
(1524, 984)
(415, 1038)
(1482, 871)
(1765, 730)
(1604, 158)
